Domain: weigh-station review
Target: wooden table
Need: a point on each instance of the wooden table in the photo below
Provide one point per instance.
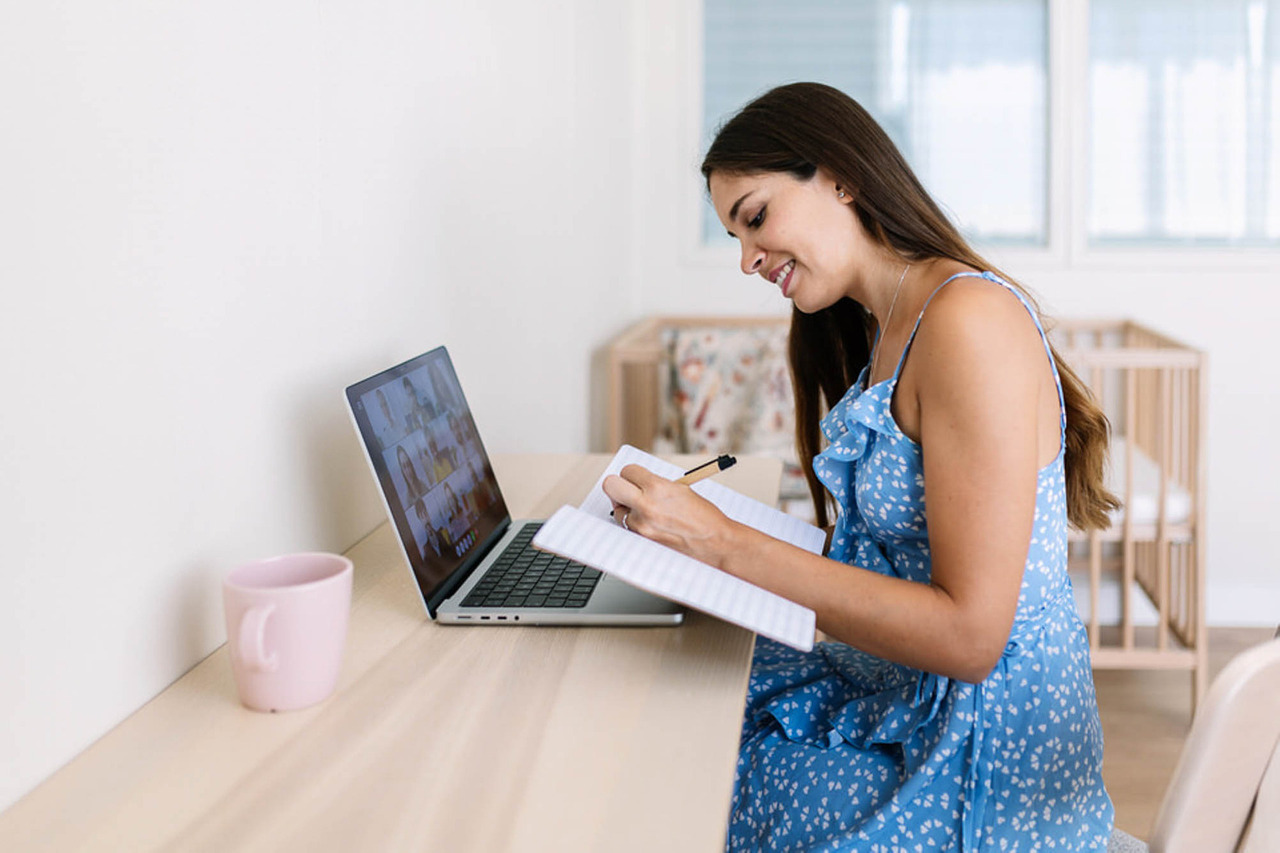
(438, 738)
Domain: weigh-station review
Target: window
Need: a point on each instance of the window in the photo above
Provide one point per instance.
(1167, 131)
(960, 85)
(1184, 119)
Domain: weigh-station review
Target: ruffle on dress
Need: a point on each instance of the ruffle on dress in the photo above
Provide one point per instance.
(849, 428)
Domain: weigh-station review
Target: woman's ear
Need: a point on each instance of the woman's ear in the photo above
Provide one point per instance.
(843, 194)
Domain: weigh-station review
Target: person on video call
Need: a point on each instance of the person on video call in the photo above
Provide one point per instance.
(442, 462)
(432, 547)
(412, 483)
(953, 707)
(421, 408)
(388, 433)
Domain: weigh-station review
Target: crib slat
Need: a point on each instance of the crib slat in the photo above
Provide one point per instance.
(1095, 544)
(1095, 582)
(1131, 436)
(1164, 406)
(1186, 465)
(1186, 556)
(1200, 416)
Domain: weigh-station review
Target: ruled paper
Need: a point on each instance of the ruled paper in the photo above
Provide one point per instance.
(587, 534)
(736, 505)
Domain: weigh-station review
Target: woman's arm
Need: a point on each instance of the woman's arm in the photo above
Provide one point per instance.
(979, 367)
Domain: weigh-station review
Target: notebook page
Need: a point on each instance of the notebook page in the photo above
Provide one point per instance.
(735, 505)
(663, 571)
(763, 517)
(597, 503)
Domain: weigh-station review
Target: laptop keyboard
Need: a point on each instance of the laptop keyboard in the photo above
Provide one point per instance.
(523, 576)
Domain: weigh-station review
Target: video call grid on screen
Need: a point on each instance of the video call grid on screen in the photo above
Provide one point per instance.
(431, 453)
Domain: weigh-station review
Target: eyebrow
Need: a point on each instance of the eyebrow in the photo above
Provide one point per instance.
(733, 211)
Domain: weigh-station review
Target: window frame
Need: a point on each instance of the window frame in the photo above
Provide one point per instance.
(1067, 244)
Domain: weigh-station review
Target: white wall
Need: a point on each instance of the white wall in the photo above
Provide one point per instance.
(213, 216)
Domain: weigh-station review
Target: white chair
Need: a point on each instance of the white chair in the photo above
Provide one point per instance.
(1225, 792)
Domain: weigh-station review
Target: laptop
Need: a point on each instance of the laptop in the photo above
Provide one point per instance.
(471, 562)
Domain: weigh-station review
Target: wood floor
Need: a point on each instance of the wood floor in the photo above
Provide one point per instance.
(1146, 715)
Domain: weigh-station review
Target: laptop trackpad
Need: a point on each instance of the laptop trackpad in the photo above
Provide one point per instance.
(613, 595)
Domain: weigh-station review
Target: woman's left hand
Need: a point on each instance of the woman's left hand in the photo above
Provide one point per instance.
(669, 513)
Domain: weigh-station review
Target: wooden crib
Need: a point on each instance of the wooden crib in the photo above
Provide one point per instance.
(1153, 391)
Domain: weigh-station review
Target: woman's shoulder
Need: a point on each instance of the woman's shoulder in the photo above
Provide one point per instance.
(966, 303)
(974, 319)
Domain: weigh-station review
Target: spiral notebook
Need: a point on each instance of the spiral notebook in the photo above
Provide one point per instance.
(588, 535)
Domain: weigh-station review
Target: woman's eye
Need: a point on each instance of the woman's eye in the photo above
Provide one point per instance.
(757, 219)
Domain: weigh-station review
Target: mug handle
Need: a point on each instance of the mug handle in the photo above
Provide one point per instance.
(253, 639)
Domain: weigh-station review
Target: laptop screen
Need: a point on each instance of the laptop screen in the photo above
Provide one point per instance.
(439, 487)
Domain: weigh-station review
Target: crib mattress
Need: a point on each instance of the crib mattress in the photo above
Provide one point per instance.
(1144, 506)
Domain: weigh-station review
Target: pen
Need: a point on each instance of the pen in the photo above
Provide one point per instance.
(703, 471)
(706, 469)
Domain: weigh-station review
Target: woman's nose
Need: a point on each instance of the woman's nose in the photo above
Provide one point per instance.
(752, 258)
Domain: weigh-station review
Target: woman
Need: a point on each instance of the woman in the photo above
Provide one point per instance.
(412, 484)
(955, 708)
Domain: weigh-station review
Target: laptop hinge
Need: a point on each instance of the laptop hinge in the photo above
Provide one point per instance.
(460, 574)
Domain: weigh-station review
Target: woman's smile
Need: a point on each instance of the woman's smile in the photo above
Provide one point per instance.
(783, 275)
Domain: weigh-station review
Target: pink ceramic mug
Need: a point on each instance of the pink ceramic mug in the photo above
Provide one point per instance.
(286, 628)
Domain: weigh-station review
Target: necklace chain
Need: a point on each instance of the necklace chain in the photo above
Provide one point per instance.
(875, 360)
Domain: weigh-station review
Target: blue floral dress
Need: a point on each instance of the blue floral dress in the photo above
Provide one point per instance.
(841, 750)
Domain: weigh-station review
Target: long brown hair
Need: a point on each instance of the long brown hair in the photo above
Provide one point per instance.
(801, 126)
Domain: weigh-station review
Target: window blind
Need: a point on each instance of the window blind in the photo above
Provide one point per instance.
(1184, 114)
(961, 86)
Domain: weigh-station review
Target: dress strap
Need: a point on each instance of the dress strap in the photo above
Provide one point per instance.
(1035, 318)
(902, 359)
